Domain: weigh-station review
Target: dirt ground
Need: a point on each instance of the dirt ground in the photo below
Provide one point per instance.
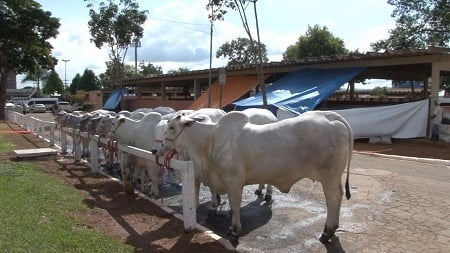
(146, 227)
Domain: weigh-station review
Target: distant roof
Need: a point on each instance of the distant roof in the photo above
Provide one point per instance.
(408, 64)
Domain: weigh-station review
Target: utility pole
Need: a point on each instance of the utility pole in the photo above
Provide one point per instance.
(210, 57)
(65, 73)
(137, 43)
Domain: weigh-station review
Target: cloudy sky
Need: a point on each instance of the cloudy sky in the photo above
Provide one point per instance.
(177, 32)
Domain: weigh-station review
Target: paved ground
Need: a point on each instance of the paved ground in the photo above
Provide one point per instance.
(396, 206)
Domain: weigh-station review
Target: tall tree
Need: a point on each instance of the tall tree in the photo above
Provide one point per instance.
(53, 84)
(218, 10)
(24, 31)
(74, 84)
(241, 52)
(418, 23)
(317, 41)
(88, 81)
(179, 70)
(149, 69)
(115, 26)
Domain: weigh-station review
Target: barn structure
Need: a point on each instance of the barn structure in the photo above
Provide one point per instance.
(200, 88)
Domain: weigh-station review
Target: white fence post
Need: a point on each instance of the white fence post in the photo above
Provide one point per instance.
(52, 135)
(77, 145)
(188, 193)
(63, 140)
(93, 147)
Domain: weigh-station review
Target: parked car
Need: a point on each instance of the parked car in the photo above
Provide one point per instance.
(63, 105)
(13, 107)
(38, 108)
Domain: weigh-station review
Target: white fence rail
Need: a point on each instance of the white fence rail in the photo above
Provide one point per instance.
(46, 130)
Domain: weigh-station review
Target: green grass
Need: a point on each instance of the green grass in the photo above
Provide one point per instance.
(6, 146)
(36, 214)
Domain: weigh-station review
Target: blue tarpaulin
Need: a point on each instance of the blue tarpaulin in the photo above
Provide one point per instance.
(302, 90)
(114, 99)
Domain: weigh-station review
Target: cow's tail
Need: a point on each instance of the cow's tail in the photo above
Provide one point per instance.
(335, 116)
(350, 136)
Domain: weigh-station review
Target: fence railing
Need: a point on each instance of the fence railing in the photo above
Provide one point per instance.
(47, 129)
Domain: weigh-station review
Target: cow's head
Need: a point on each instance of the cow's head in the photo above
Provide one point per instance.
(175, 127)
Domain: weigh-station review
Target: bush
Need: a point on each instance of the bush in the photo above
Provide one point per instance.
(87, 107)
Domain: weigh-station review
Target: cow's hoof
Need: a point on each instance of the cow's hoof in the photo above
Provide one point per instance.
(212, 212)
(234, 239)
(258, 192)
(268, 198)
(325, 238)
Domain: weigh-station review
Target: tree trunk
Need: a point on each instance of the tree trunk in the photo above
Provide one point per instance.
(3, 81)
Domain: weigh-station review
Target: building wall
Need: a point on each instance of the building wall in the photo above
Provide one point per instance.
(95, 97)
(131, 103)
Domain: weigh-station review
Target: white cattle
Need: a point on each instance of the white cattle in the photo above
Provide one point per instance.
(140, 134)
(162, 148)
(261, 116)
(234, 153)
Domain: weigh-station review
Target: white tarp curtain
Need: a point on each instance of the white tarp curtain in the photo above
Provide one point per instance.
(408, 120)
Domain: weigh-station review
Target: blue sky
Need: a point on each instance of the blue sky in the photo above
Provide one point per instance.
(177, 32)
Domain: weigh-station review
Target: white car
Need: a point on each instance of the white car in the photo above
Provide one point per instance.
(37, 108)
(63, 105)
(13, 107)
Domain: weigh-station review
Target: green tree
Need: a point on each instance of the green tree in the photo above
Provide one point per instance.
(179, 70)
(241, 52)
(88, 81)
(38, 75)
(317, 41)
(24, 31)
(219, 9)
(74, 84)
(149, 69)
(115, 26)
(53, 84)
(418, 23)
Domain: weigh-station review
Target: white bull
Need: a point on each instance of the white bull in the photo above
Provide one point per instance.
(203, 114)
(140, 134)
(234, 153)
(261, 116)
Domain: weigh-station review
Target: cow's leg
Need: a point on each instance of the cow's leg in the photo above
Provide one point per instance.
(215, 201)
(235, 198)
(268, 196)
(333, 196)
(259, 190)
(143, 175)
(154, 177)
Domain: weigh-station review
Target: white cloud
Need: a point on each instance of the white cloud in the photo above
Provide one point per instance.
(177, 33)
